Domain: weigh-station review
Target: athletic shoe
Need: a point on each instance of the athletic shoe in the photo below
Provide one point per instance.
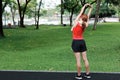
(87, 76)
(78, 77)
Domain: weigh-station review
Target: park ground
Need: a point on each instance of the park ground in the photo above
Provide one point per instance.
(49, 48)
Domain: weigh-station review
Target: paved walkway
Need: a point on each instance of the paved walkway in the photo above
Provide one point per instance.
(38, 75)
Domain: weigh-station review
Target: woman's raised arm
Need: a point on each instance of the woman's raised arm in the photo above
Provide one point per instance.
(81, 12)
(89, 11)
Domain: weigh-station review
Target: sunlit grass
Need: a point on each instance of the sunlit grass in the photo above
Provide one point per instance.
(49, 48)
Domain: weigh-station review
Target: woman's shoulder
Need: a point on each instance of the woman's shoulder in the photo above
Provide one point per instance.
(79, 23)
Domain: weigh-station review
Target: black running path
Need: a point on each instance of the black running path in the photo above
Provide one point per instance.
(38, 75)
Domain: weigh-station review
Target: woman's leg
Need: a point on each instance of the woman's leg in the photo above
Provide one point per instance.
(78, 63)
(84, 56)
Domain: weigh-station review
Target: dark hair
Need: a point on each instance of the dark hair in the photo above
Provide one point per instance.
(84, 19)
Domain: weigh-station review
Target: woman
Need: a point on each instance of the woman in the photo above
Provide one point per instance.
(78, 44)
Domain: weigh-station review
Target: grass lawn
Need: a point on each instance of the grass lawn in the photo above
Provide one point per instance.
(49, 48)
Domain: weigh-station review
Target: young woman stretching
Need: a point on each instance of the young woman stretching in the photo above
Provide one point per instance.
(78, 43)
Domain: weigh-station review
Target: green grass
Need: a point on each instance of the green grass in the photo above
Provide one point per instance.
(49, 48)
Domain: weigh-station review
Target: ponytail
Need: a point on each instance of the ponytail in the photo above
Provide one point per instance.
(83, 25)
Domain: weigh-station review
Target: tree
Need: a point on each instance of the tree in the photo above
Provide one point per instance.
(73, 7)
(35, 11)
(1, 25)
(105, 10)
(37, 26)
(13, 8)
(83, 2)
(62, 11)
(22, 9)
(96, 14)
(102, 10)
(5, 3)
(70, 7)
(117, 4)
(32, 10)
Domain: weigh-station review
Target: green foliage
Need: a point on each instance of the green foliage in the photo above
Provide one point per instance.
(105, 10)
(68, 4)
(115, 2)
(32, 9)
(13, 5)
(49, 48)
(4, 4)
(6, 1)
(30, 12)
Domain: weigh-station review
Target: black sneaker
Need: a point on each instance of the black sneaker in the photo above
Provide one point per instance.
(78, 77)
(87, 76)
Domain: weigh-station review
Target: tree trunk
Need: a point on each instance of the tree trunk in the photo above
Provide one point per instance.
(72, 11)
(96, 14)
(71, 20)
(37, 26)
(22, 12)
(13, 16)
(62, 11)
(83, 2)
(119, 18)
(22, 22)
(35, 16)
(119, 12)
(1, 29)
(1, 25)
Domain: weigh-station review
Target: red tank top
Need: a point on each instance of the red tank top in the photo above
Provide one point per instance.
(77, 32)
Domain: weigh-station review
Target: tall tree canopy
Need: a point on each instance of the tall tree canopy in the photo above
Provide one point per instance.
(70, 6)
(116, 3)
(74, 6)
(22, 9)
(105, 10)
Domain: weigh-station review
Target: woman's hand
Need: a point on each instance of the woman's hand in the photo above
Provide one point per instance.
(88, 5)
